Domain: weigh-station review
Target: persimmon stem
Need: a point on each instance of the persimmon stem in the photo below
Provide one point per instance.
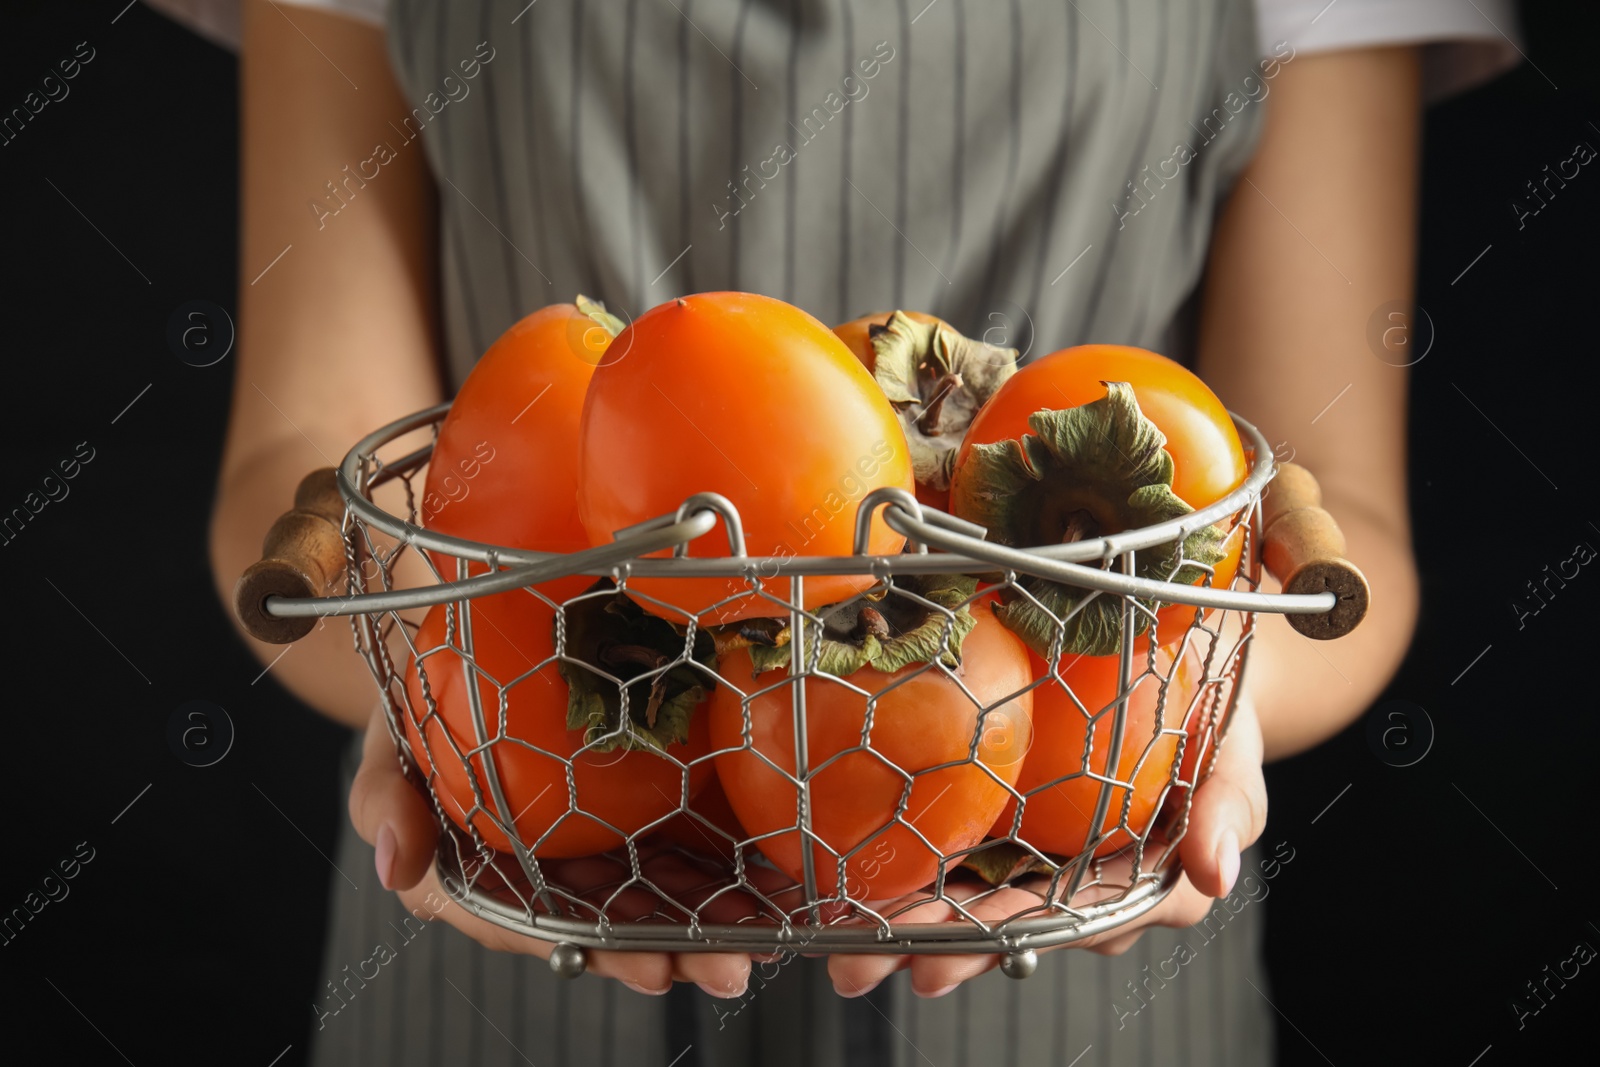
(928, 421)
(871, 621)
(615, 654)
(1080, 526)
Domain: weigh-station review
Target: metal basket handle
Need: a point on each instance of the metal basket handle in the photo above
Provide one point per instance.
(1304, 549)
(302, 556)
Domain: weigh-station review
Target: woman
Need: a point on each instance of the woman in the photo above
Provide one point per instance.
(1232, 186)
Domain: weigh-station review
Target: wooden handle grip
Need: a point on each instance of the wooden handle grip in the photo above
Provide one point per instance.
(1304, 549)
(302, 555)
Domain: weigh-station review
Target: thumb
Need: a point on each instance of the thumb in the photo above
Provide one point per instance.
(1230, 808)
(389, 813)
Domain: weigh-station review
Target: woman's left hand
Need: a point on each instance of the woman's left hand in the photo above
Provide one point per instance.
(1228, 814)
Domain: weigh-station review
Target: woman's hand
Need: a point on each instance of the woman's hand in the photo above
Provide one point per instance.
(1228, 815)
(393, 817)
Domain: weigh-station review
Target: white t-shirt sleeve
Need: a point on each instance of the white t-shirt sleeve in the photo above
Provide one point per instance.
(1464, 42)
(218, 20)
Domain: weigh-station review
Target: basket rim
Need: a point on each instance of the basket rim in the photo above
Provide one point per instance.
(961, 547)
(899, 938)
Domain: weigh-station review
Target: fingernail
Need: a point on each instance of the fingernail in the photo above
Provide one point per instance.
(725, 994)
(385, 857)
(1228, 861)
(938, 992)
(637, 988)
(857, 991)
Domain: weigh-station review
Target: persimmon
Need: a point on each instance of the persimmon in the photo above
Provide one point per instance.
(1070, 761)
(628, 770)
(752, 398)
(504, 468)
(1091, 441)
(950, 722)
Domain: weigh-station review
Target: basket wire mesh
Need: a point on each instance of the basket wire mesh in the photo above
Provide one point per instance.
(648, 890)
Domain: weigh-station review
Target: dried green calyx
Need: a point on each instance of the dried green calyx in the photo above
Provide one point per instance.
(1082, 473)
(596, 310)
(1002, 861)
(937, 379)
(611, 635)
(886, 632)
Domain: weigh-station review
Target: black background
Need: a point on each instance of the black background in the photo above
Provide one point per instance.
(1418, 904)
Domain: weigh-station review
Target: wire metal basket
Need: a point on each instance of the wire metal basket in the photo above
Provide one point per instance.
(649, 890)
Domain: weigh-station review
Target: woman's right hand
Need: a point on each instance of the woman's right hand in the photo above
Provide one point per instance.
(393, 817)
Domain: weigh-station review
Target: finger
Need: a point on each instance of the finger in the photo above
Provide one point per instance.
(934, 976)
(722, 974)
(645, 972)
(1182, 907)
(862, 974)
(1116, 945)
(607, 884)
(388, 813)
(1229, 811)
(858, 973)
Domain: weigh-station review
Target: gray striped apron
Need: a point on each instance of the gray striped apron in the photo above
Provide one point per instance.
(1043, 173)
